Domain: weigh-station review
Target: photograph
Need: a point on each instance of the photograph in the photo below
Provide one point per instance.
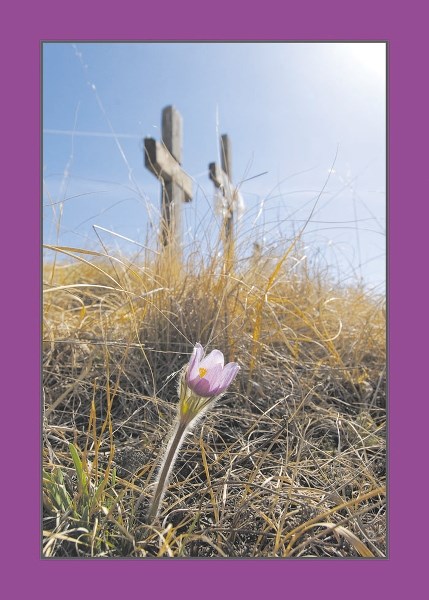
(214, 224)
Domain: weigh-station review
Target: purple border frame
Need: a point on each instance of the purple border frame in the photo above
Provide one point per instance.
(24, 572)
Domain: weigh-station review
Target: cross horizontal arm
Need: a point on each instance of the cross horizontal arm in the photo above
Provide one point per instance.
(219, 178)
(164, 166)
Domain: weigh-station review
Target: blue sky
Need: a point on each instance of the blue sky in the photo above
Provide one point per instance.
(287, 107)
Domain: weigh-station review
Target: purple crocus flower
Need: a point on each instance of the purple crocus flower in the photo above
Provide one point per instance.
(202, 381)
(207, 376)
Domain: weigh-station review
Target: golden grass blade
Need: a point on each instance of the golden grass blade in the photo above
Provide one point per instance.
(353, 540)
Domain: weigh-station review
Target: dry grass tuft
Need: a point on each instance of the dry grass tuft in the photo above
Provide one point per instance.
(290, 463)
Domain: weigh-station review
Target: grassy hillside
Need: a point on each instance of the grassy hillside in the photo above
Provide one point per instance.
(291, 462)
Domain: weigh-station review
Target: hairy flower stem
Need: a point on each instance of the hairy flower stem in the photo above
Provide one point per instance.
(167, 464)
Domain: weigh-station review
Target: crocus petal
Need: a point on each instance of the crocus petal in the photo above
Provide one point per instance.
(194, 362)
(213, 375)
(228, 375)
(214, 358)
(201, 388)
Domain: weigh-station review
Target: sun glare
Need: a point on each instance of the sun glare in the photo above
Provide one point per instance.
(370, 55)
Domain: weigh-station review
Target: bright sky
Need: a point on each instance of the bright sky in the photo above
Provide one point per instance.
(287, 108)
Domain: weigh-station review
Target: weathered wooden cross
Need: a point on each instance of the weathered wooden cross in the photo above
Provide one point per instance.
(222, 178)
(163, 159)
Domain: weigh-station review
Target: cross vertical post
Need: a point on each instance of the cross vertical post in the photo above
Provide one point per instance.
(222, 179)
(164, 160)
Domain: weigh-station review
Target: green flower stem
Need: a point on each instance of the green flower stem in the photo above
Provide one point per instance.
(166, 467)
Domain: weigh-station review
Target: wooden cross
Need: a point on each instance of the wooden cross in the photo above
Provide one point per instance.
(222, 178)
(163, 159)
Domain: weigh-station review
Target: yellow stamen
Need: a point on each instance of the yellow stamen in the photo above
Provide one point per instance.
(202, 372)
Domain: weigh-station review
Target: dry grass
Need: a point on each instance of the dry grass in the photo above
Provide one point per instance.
(290, 463)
